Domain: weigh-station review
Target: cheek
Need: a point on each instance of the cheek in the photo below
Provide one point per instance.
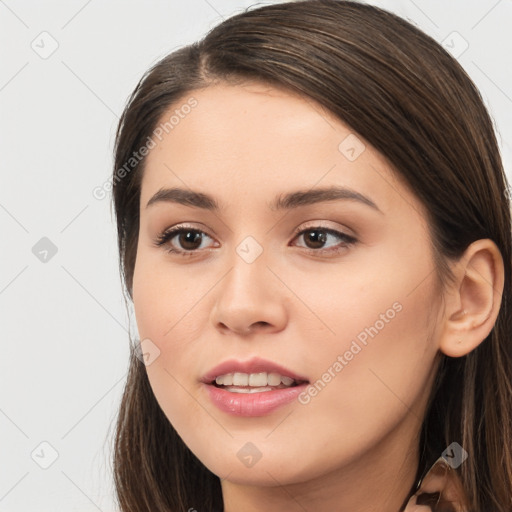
(377, 370)
(168, 313)
(165, 300)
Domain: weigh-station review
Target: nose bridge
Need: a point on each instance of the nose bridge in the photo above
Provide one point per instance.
(247, 296)
(249, 272)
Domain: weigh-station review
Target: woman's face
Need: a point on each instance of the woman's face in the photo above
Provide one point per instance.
(336, 290)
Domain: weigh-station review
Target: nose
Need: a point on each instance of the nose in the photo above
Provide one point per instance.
(250, 299)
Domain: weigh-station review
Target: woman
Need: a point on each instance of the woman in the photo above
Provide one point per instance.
(315, 232)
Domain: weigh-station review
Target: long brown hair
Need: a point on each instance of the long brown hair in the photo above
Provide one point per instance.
(402, 92)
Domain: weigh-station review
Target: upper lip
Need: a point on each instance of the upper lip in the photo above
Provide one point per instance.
(254, 365)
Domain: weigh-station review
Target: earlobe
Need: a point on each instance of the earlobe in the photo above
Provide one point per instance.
(474, 299)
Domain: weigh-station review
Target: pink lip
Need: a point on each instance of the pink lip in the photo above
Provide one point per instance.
(251, 404)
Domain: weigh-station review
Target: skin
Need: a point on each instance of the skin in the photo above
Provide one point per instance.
(354, 446)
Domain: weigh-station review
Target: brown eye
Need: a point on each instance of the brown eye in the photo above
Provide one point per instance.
(181, 240)
(315, 239)
(188, 239)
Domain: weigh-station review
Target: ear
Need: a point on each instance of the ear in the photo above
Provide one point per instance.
(473, 300)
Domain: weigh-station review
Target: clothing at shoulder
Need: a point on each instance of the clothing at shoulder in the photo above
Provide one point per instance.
(440, 490)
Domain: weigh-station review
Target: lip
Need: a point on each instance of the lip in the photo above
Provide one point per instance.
(251, 404)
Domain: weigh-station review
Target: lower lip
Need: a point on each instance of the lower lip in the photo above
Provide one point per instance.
(253, 404)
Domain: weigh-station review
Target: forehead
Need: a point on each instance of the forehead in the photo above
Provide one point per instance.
(244, 116)
(256, 139)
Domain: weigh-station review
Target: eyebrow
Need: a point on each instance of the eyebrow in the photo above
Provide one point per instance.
(287, 201)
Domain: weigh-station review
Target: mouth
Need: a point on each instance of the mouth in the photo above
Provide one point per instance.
(252, 388)
(259, 382)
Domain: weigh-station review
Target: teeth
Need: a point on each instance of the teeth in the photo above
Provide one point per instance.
(274, 379)
(287, 381)
(258, 379)
(240, 379)
(247, 390)
(255, 380)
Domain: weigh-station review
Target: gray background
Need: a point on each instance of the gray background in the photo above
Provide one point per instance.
(63, 321)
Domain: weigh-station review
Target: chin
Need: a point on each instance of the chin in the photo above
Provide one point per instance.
(266, 471)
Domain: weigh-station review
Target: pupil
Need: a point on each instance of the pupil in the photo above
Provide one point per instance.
(318, 237)
(192, 239)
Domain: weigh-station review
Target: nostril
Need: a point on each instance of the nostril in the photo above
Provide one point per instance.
(258, 324)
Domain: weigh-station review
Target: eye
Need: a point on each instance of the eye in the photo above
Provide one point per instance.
(317, 236)
(189, 238)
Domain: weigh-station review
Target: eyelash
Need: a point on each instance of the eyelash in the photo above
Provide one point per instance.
(166, 236)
